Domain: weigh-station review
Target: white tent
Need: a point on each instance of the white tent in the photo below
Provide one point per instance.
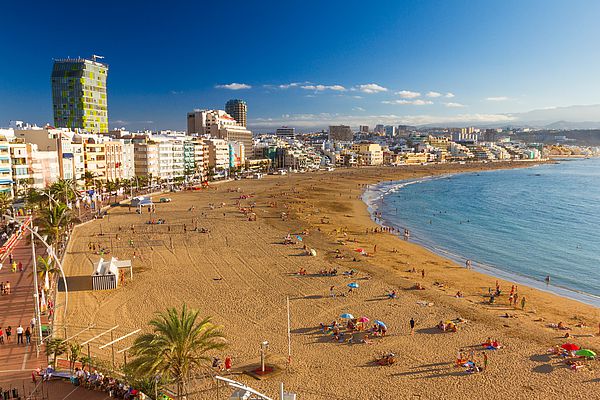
(106, 273)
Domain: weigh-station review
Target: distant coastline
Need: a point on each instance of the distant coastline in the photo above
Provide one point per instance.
(375, 193)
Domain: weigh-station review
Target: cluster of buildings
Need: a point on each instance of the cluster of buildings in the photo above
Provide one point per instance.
(81, 147)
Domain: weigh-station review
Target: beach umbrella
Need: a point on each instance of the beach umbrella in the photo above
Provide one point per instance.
(380, 323)
(363, 319)
(353, 285)
(585, 353)
(347, 316)
(570, 347)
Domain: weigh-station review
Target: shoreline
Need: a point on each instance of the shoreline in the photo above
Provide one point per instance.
(491, 270)
(240, 273)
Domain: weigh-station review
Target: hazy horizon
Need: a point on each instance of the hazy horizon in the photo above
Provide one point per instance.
(317, 64)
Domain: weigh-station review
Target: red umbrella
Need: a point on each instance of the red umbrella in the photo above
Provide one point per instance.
(570, 347)
(363, 319)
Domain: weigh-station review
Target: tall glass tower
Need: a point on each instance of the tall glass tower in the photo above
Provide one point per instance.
(238, 110)
(79, 94)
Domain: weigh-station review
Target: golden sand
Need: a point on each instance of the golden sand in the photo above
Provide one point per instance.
(241, 273)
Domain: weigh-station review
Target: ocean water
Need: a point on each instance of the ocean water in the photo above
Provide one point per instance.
(519, 224)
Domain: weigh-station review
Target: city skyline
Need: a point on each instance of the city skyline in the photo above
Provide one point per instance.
(426, 63)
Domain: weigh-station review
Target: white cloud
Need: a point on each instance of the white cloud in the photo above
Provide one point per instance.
(407, 94)
(289, 85)
(234, 86)
(497, 98)
(454, 105)
(321, 88)
(357, 97)
(318, 121)
(176, 92)
(449, 95)
(433, 94)
(358, 109)
(417, 102)
(371, 88)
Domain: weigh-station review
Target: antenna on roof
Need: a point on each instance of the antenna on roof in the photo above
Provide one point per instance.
(94, 56)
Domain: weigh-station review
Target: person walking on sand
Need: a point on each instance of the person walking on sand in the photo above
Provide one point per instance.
(523, 302)
(515, 300)
(1, 336)
(332, 291)
(412, 326)
(423, 273)
(8, 334)
(485, 361)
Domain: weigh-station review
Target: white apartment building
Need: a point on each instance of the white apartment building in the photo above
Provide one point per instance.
(146, 159)
(370, 153)
(170, 157)
(218, 124)
(218, 154)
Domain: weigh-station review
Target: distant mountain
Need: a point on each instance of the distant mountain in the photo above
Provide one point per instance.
(563, 125)
(572, 117)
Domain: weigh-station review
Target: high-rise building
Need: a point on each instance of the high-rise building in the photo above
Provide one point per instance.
(340, 133)
(238, 109)
(363, 129)
(219, 124)
(285, 132)
(79, 94)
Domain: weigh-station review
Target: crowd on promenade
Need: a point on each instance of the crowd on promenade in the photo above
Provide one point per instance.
(97, 381)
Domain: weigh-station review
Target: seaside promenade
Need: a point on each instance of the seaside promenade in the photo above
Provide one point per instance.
(17, 308)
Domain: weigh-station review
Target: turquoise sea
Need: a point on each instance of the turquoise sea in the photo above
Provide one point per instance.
(518, 224)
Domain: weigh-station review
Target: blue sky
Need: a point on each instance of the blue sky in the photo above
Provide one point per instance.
(350, 61)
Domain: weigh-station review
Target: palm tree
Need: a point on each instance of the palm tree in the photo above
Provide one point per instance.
(110, 188)
(177, 348)
(46, 270)
(55, 347)
(53, 221)
(74, 354)
(63, 190)
(34, 199)
(88, 178)
(5, 202)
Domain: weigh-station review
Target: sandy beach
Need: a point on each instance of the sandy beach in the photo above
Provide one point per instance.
(240, 273)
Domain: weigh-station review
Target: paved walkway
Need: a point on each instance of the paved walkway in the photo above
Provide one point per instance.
(17, 308)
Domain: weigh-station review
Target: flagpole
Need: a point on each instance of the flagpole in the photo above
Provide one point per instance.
(38, 317)
(289, 331)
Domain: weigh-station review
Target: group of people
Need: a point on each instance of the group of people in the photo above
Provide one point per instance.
(5, 287)
(220, 365)
(95, 380)
(471, 363)
(23, 335)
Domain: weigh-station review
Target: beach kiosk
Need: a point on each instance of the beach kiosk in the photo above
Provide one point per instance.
(107, 272)
(141, 201)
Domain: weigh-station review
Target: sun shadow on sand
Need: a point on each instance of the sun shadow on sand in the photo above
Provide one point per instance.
(431, 331)
(542, 358)
(543, 369)
(305, 330)
(76, 284)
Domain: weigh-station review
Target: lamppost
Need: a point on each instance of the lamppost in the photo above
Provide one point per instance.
(51, 252)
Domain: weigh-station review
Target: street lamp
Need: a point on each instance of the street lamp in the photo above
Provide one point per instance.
(263, 348)
(50, 252)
